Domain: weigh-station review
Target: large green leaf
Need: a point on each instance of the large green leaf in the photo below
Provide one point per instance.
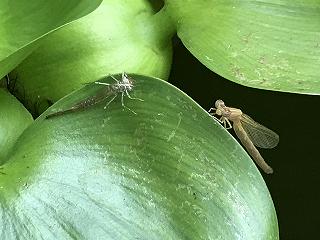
(264, 44)
(14, 119)
(168, 172)
(118, 36)
(23, 22)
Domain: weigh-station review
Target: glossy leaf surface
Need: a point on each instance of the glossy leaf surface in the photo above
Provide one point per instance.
(168, 172)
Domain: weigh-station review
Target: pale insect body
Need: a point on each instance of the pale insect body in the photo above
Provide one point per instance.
(249, 132)
(124, 86)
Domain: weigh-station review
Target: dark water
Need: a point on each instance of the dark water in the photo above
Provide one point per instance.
(294, 186)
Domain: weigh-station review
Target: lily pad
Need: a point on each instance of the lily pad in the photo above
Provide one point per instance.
(169, 171)
(267, 44)
(117, 36)
(23, 22)
(14, 119)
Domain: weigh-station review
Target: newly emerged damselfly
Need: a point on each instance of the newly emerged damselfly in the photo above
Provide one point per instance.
(123, 87)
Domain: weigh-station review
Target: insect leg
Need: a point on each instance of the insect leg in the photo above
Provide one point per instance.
(225, 121)
(115, 79)
(110, 101)
(228, 122)
(128, 95)
(225, 124)
(122, 103)
(218, 119)
(108, 84)
(102, 83)
(212, 109)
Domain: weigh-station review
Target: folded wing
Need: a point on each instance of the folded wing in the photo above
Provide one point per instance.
(259, 135)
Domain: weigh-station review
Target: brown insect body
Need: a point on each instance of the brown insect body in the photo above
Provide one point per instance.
(249, 132)
(247, 143)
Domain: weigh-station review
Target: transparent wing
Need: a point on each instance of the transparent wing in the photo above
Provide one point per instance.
(259, 135)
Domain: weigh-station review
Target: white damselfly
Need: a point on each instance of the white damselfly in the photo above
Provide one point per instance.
(123, 87)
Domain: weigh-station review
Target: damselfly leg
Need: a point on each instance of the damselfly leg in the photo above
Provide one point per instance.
(224, 120)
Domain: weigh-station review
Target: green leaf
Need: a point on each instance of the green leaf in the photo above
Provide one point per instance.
(14, 119)
(168, 172)
(23, 22)
(264, 44)
(118, 36)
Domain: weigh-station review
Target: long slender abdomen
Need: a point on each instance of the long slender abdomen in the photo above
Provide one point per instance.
(61, 113)
(247, 143)
(90, 101)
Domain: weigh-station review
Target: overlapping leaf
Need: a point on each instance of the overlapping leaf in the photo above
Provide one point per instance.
(23, 22)
(118, 36)
(265, 44)
(14, 119)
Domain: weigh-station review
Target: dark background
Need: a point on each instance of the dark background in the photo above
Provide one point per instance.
(294, 185)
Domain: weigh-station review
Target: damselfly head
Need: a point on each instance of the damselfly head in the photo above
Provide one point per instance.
(126, 81)
(221, 109)
(219, 104)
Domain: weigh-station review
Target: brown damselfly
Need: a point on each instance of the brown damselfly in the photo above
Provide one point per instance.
(249, 132)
